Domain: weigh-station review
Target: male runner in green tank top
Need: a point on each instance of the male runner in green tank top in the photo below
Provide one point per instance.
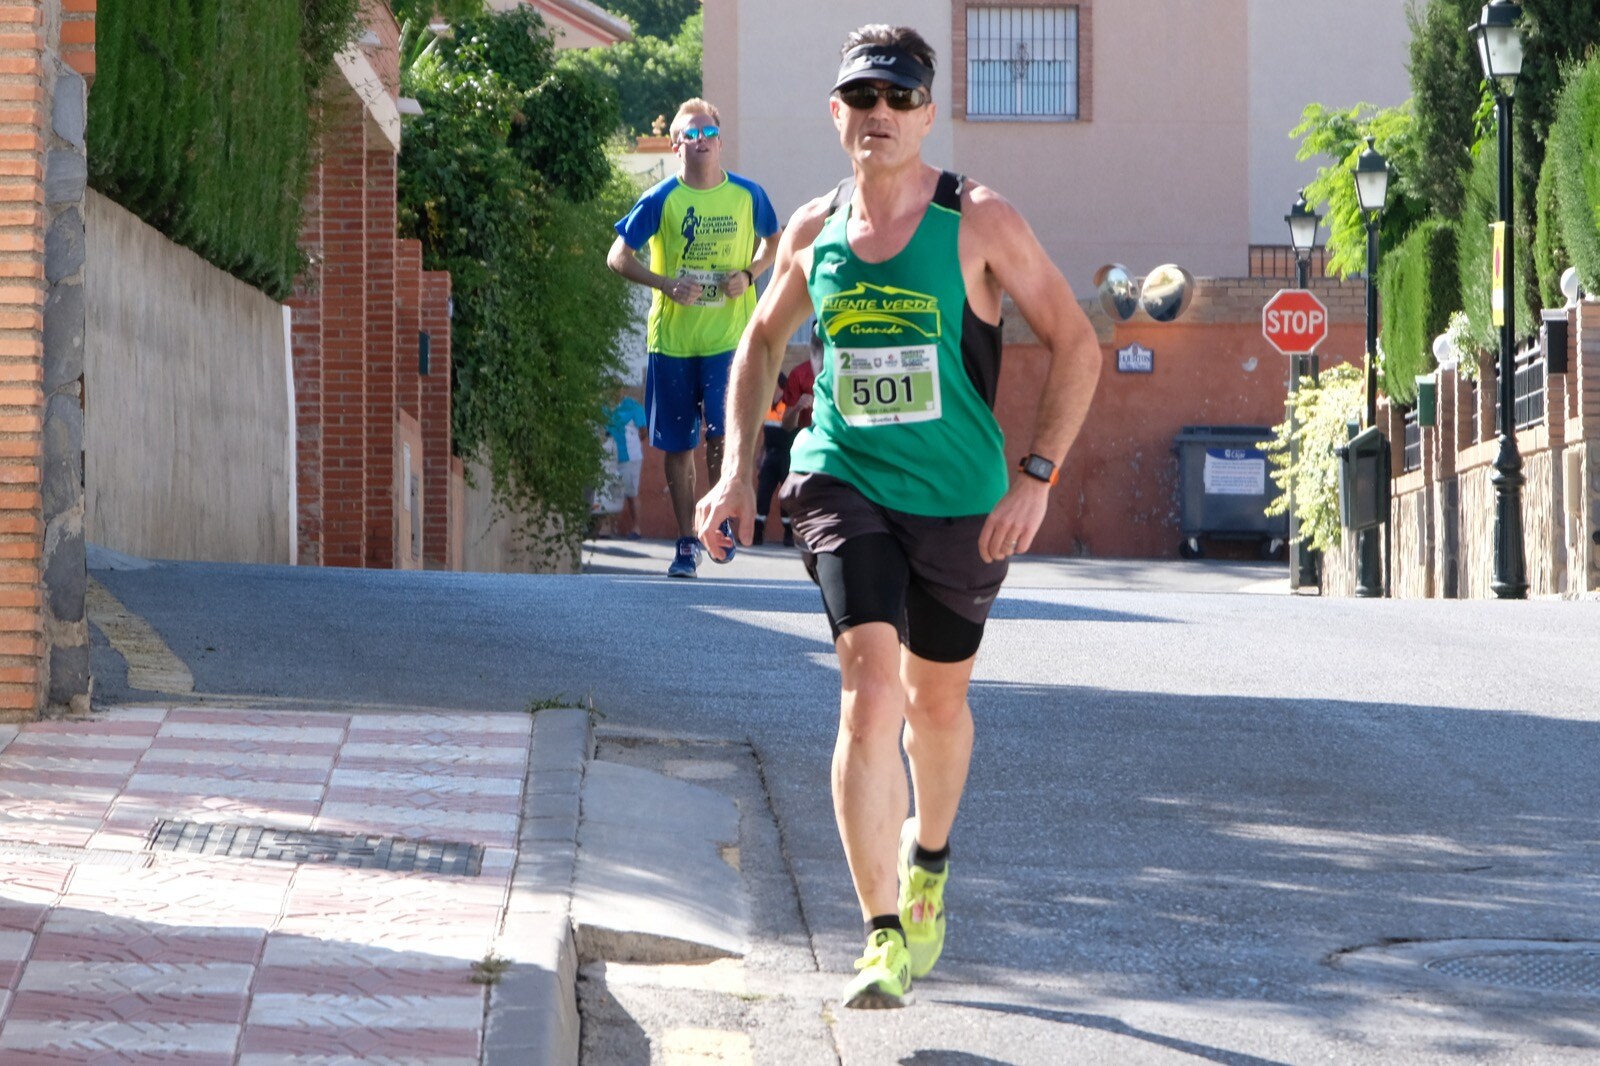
(901, 491)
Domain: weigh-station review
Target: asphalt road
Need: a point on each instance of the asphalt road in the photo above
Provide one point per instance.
(1207, 821)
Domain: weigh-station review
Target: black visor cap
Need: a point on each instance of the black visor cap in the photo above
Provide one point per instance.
(883, 62)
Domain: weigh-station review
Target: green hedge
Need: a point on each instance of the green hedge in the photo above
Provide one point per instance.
(1550, 255)
(1420, 286)
(1574, 152)
(200, 122)
(1476, 245)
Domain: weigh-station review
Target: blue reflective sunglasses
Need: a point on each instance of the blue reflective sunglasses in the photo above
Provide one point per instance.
(697, 133)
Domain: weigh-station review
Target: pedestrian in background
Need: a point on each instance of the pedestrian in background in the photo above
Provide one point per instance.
(624, 418)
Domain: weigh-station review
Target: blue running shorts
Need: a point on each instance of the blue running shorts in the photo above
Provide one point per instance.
(681, 391)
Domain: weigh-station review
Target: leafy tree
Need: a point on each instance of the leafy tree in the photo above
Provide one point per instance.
(1340, 136)
(651, 75)
(1445, 95)
(1321, 409)
(422, 12)
(654, 18)
(505, 180)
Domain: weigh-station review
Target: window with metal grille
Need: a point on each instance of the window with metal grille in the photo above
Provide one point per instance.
(1022, 62)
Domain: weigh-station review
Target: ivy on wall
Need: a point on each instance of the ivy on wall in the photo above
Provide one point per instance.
(199, 122)
(505, 180)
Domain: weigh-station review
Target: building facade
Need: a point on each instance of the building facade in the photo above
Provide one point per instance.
(1141, 133)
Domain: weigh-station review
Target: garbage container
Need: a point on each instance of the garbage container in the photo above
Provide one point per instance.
(1224, 489)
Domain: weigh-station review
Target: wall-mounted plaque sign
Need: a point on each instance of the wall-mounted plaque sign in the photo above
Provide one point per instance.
(1135, 359)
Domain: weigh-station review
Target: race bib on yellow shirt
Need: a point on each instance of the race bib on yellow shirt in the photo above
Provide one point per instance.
(710, 282)
(887, 386)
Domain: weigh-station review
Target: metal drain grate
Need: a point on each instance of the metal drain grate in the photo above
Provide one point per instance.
(394, 854)
(23, 851)
(1545, 971)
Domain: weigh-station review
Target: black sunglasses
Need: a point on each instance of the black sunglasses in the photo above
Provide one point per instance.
(865, 97)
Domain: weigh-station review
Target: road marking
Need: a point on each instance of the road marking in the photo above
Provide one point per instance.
(151, 665)
(699, 1047)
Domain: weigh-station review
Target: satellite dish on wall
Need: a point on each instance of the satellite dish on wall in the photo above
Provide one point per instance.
(1168, 291)
(1119, 293)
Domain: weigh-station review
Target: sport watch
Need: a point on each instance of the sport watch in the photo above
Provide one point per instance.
(1039, 468)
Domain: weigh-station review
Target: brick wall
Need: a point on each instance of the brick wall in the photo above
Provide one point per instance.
(306, 334)
(441, 547)
(380, 398)
(77, 36)
(344, 332)
(358, 311)
(44, 646)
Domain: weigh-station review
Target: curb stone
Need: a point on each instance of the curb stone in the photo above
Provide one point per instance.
(533, 1006)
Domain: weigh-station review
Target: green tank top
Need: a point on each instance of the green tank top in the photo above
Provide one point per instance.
(904, 403)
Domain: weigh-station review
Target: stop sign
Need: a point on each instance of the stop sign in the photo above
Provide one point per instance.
(1294, 321)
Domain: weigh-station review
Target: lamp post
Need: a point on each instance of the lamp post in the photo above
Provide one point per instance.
(1372, 191)
(1303, 223)
(1500, 51)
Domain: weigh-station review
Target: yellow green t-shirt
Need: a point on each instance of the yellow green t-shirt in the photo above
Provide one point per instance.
(703, 234)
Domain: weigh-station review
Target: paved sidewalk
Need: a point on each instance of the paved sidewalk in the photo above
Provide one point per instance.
(337, 939)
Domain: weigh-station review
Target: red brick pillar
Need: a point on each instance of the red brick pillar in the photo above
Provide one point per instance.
(436, 433)
(408, 323)
(381, 504)
(22, 293)
(344, 334)
(306, 333)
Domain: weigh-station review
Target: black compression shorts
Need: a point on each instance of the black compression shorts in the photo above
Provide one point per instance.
(922, 575)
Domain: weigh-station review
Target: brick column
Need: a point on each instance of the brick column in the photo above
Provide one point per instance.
(77, 36)
(408, 323)
(24, 81)
(306, 326)
(1488, 396)
(344, 334)
(1584, 372)
(436, 432)
(381, 505)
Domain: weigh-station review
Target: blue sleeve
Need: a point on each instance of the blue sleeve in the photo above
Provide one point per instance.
(641, 223)
(766, 219)
(635, 412)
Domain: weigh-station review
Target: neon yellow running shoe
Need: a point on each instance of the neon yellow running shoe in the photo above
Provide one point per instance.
(921, 904)
(885, 978)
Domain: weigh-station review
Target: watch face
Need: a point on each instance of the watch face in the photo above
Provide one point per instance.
(1039, 467)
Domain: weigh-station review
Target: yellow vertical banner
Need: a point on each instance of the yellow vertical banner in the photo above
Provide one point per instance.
(1497, 295)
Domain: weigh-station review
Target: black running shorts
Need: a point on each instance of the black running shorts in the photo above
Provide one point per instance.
(922, 575)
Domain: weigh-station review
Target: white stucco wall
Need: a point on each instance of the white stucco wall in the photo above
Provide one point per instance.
(1186, 157)
(187, 412)
(769, 66)
(1302, 51)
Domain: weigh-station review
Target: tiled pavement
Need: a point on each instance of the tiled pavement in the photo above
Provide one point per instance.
(113, 953)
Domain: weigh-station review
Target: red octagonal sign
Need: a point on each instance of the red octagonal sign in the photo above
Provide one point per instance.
(1294, 321)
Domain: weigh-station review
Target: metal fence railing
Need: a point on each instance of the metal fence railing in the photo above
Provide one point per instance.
(1412, 458)
(1528, 390)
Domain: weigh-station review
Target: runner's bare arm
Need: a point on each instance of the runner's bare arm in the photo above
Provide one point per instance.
(1019, 264)
(781, 311)
(622, 260)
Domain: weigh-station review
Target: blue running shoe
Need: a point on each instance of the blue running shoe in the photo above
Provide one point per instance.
(733, 547)
(687, 561)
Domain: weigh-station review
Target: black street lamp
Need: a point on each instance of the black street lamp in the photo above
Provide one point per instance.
(1500, 50)
(1303, 223)
(1372, 192)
